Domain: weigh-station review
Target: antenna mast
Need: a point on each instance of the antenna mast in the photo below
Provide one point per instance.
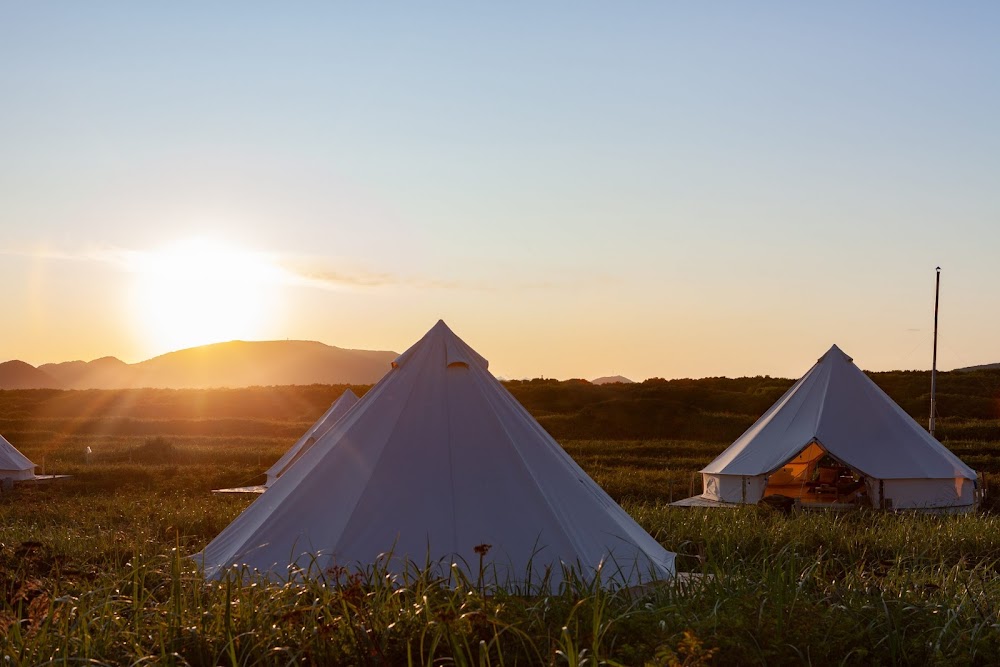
(937, 293)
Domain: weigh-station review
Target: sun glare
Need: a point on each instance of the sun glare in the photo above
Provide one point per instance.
(198, 292)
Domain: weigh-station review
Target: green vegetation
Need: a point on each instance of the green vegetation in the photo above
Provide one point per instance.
(91, 568)
(720, 409)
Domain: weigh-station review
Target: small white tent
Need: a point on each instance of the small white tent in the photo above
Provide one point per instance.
(833, 438)
(336, 410)
(438, 464)
(13, 464)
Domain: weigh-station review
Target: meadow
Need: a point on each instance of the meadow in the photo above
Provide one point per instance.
(93, 568)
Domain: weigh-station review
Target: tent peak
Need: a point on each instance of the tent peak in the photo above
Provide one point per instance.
(440, 339)
(834, 352)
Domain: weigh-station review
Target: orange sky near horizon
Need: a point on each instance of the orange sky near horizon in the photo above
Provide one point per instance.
(196, 291)
(578, 190)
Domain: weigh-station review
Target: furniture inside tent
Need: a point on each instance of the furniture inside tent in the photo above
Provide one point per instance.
(814, 476)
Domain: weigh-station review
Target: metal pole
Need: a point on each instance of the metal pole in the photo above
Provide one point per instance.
(937, 293)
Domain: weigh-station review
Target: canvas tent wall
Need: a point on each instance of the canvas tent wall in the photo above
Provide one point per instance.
(13, 464)
(336, 410)
(437, 460)
(837, 410)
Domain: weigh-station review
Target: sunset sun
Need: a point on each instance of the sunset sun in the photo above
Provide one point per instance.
(197, 292)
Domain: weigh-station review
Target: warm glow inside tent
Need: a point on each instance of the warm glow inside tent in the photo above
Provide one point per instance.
(835, 438)
(13, 464)
(437, 466)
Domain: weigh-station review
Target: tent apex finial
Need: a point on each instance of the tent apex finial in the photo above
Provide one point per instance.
(835, 350)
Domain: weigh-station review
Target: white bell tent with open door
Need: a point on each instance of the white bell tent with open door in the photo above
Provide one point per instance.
(439, 465)
(336, 410)
(835, 438)
(13, 464)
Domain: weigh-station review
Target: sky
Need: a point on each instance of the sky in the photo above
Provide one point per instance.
(578, 189)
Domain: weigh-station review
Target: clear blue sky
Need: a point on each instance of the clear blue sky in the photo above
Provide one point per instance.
(651, 189)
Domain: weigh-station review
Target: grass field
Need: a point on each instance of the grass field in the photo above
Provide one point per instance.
(92, 568)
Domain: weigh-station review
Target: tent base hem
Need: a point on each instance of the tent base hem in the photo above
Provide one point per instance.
(702, 501)
(242, 489)
(37, 479)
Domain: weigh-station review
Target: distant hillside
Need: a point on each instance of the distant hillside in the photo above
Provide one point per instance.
(981, 367)
(719, 409)
(232, 364)
(19, 375)
(103, 373)
(612, 379)
(713, 410)
(243, 364)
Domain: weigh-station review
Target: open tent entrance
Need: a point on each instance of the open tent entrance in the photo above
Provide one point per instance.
(814, 476)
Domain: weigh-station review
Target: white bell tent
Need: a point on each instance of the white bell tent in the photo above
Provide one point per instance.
(835, 438)
(13, 464)
(336, 410)
(437, 465)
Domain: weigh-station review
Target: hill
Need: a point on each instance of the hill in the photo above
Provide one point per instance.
(244, 364)
(232, 364)
(612, 379)
(981, 367)
(19, 375)
(104, 373)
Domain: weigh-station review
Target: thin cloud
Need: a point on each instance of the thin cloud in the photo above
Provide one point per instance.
(305, 272)
(333, 279)
(110, 255)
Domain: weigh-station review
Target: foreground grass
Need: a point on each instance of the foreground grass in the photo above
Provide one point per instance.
(89, 573)
(94, 569)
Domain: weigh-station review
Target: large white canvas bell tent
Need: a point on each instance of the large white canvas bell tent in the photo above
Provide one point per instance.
(336, 410)
(438, 465)
(13, 464)
(835, 438)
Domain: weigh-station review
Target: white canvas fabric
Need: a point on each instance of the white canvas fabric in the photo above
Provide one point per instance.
(438, 459)
(839, 407)
(336, 410)
(13, 464)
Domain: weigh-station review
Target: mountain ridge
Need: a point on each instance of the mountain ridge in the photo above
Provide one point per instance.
(17, 374)
(235, 363)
